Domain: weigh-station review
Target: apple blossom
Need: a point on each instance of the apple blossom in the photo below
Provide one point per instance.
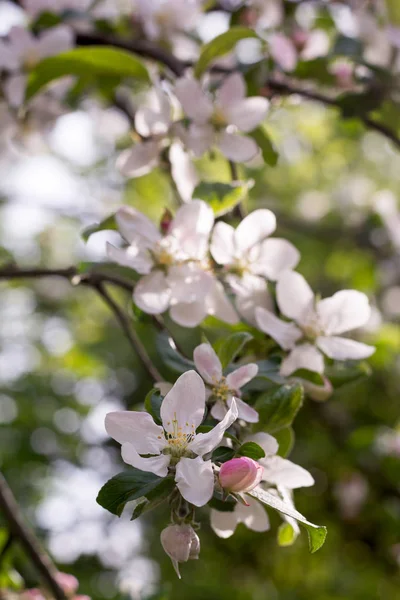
(219, 123)
(181, 543)
(254, 516)
(175, 444)
(164, 18)
(22, 51)
(316, 324)
(240, 474)
(176, 275)
(221, 390)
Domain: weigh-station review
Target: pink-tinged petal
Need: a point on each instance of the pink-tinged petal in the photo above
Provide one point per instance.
(345, 310)
(183, 171)
(188, 314)
(239, 148)
(294, 295)
(8, 59)
(267, 442)
(219, 410)
(251, 291)
(224, 523)
(254, 228)
(199, 138)
(22, 42)
(188, 283)
(239, 377)
(285, 334)
(232, 91)
(207, 363)
(218, 305)
(136, 228)
(152, 294)
(183, 407)
(304, 356)
(247, 114)
(14, 90)
(196, 105)
(130, 257)
(283, 51)
(155, 117)
(192, 226)
(154, 464)
(276, 256)
(55, 40)
(136, 428)
(245, 412)
(222, 243)
(139, 160)
(280, 471)
(254, 516)
(195, 480)
(341, 348)
(206, 442)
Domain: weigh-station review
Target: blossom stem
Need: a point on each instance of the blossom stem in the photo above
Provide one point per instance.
(19, 530)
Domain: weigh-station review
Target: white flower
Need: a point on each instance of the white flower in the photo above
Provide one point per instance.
(218, 123)
(317, 324)
(174, 266)
(164, 18)
(176, 443)
(278, 472)
(21, 53)
(224, 389)
(249, 257)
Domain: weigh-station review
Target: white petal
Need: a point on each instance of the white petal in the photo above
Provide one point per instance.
(304, 356)
(199, 138)
(55, 40)
(130, 257)
(241, 376)
(188, 314)
(137, 428)
(246, 412)
(341, 348)
(267, 442)
(155, 117)
(276, 256)
(252, 291)
(283, 51)
(232, 91)
(344, 311)
(152, 294)
(8, 58)
(195, 103)
(154, 464)
(248, 113)
(219, 410)
(285, 334)
(222, 246)
(218, 305)
(192, 226)
(183, 407)
(139, 160)
(254, 516)
(134, 225)
(206, 442)
(188, 283)
(280, 471)
(224, 523)
(239, 148)
(207, 363)
(183, 171)
(22, 42)
(195, 480)
(294, 295)
(254, 228)
(14, 90)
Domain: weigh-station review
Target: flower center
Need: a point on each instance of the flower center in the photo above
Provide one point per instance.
(177, 439)
(311, 327)
(163, 253)
(218, 118)
(220, 389)
(240, 267)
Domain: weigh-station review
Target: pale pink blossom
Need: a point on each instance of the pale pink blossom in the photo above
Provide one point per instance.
(181, 543)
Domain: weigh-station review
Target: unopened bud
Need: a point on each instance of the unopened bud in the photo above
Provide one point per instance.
(67, 582)
(166, 220)
(181, 543)
(240, 474)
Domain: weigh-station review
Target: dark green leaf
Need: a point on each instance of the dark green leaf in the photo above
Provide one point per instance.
(311, 376)
(347, 46)
(93, 60)
(230, 347)
(222, 197)
(222, 454)
(221, 45)
(268, 150)
(278, 408)
(218, 503)
(342, 374)
(317, 69)
(170, 356)
(268, 373)
(154, 498)
(152, 404)
(252, 450)
(108, 224)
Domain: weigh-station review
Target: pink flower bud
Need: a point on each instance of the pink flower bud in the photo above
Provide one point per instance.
(68, 582)
(240, 474)
(181, 543)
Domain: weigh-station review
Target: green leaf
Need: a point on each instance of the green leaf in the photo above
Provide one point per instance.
(342, 374)
(286, 535)
(268, 372)
(93, 60)
(278, 408)
(285, 439)
(222, 197)
(316, 533)
(108, 224)
(347, 46)
(311, 376)
(231, 346)
(223, 505)
(152, 404)
(393, 9)
(170, 356)
(268, 150)
(221, 45)
(154, 498)
(252, 450)
(222, 454)
(131, 485)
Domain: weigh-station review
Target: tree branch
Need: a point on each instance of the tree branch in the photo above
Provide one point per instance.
(19, 530)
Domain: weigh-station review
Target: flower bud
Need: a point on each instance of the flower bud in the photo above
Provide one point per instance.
(240, 474)
(67, 582)
(181, 543)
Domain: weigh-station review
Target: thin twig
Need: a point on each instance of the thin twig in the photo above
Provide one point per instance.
(26, 537)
